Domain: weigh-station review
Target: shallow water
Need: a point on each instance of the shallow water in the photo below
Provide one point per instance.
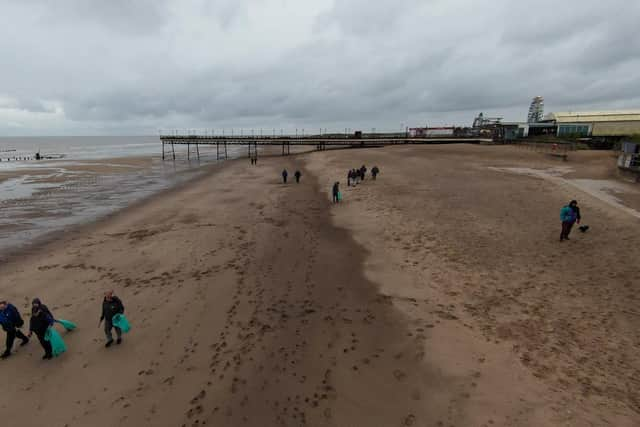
(95, 176)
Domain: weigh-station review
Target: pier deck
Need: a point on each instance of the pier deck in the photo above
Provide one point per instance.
(318, 141)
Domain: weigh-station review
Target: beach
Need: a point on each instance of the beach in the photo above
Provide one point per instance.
(436, 295)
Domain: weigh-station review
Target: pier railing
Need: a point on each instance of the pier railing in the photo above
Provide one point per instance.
(319, 142)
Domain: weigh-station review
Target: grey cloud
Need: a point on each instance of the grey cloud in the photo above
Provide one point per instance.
(381, 63)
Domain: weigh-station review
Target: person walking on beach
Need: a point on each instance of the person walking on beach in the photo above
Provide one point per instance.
(297, 175)
(11, 322)
(363, 172)
(285, 174)
(41, 320)
(336, 192)
(374, 172)
(355, 177)
(349, 176)
(569, 215)
(111, 305)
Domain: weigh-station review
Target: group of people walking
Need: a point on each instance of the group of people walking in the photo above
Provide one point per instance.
(355, 176)
(42, 322)
(297, 175)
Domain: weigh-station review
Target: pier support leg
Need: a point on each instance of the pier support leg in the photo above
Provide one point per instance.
(217, 151)
(198, 151)
(188, 151)
(162, 150)
(173, 150)
(225, 151)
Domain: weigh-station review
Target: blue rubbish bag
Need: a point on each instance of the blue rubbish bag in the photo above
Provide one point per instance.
(57, 343)
(69, 326)
(120, 321)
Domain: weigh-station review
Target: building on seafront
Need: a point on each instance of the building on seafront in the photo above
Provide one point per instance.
(596, 124)
(598, 128)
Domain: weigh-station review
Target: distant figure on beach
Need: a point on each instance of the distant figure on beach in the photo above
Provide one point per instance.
(11, 322)
(254, 160)
(297, 175)
(355, 177)
(349, 177)
(41, 320)
(374, 172)
(111, 305)
(363, 172)
(285, 174)
(336, 192)
(569, 215)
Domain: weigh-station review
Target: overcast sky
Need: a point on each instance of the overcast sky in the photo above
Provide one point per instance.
(132, 67)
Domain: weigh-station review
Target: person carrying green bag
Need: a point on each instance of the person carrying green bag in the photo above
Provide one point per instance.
(41, 322)
(111, 305)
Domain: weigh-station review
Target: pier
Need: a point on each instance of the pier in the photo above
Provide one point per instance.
(318, 142)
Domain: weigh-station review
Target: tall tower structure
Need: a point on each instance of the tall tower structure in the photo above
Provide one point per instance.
(536, 110)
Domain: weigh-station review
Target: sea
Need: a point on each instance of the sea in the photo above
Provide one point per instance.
(80, 179)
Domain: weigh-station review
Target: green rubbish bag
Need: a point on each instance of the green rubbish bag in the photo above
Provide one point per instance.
(120, 321)
(339, 196)
(69, 326)
(57, 343)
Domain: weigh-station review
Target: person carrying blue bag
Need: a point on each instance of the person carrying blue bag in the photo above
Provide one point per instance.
(41, 321)
(111, 306)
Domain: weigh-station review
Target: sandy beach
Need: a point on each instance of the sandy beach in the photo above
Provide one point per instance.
(437, 295)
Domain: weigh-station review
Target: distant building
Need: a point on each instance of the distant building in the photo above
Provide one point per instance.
(536, 110)
(596, 124)
(418, 132)
(441, 131)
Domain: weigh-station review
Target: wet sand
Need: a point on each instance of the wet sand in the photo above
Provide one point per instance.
(436, 296)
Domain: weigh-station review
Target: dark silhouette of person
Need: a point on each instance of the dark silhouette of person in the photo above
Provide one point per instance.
(297, 175)
(285, 174)
(111, 305)
(336, 192)
(11, 322)
(41, 320)
(374, 172)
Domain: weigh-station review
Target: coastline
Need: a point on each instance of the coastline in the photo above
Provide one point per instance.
(412, 303)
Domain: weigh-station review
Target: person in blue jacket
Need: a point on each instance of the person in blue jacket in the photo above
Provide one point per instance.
(11, 322)
(41, 320)
(569, 215)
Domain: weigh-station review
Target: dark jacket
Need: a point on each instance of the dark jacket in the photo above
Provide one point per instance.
(335, 189)
(40, 321)
(576, 211)
(111, 308)
(42, 307)
(10, 318)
